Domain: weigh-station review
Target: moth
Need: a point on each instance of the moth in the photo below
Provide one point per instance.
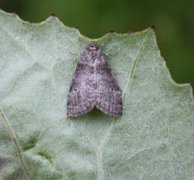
(93, 85)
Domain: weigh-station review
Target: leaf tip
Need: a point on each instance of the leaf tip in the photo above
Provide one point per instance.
(52, 15)
(76, 27)
(153, 27)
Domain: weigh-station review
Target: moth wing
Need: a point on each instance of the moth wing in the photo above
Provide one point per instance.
(81, 98)
(108, 97)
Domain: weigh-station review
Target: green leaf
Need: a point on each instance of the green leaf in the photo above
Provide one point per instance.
(152, 140)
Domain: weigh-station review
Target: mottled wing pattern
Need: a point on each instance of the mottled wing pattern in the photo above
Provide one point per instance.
(93, 85)
(108, 97)
(81, 97)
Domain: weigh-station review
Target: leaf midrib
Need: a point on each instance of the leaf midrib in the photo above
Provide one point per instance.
(110, 130)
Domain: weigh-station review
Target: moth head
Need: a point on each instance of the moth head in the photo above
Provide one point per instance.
(92, 47)
(92, 55)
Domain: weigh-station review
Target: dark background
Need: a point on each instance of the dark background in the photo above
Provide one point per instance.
(173, 21)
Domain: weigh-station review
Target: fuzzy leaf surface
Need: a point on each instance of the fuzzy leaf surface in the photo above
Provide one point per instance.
(152, 140)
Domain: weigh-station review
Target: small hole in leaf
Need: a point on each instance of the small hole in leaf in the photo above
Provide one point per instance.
(45, 155)
(31, 142)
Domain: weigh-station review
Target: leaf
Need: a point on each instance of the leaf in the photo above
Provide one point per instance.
(152, 140)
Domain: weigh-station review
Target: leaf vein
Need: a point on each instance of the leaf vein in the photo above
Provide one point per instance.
(132, 72)
(109, 131)
(16, 143)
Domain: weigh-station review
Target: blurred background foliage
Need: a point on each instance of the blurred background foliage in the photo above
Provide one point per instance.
(173, 21)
